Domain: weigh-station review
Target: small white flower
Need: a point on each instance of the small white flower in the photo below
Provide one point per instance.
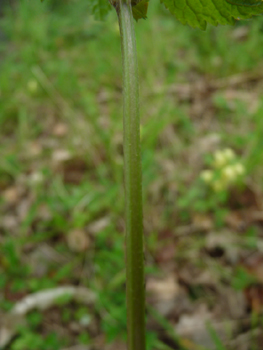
(223, 157)
(207, 175)
(229, 154)
(239, 169)
(229, 173)
(219, 159)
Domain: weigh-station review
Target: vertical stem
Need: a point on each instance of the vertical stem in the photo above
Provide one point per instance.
(135, 290)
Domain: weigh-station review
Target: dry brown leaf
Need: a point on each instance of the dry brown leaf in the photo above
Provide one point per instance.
(117, 344)
(223, 243)
(34, 149)
(73, 170)
(163, 289)
(194, 327)
(78, 241)
(60, 155)
(11, 195)
(203, 222)
(254, 265)
(98, 225)
(60, 129)
(10, 222)
(254, 296)
(167, 296)
(240, 33)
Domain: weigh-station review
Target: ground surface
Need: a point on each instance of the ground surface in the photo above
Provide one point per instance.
(61, 180)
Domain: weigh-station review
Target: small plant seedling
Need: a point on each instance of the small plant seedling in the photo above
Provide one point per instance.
(197, 14)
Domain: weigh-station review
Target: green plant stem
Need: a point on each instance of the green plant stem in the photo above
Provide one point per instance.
(135, 289)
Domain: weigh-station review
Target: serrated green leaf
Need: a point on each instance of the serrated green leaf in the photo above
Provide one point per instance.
(99, 8)
(245, 2)
(197, 13)
(139, 10)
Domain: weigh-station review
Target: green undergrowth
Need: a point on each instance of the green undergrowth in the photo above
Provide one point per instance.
(61, 149)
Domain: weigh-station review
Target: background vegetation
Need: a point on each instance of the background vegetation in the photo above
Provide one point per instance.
(62, 202)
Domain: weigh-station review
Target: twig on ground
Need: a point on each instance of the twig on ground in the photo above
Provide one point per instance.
(41, 301)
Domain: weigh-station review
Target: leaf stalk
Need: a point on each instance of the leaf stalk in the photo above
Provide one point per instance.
(135, 287)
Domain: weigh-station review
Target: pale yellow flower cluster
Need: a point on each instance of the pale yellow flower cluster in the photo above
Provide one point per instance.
(226, 170)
